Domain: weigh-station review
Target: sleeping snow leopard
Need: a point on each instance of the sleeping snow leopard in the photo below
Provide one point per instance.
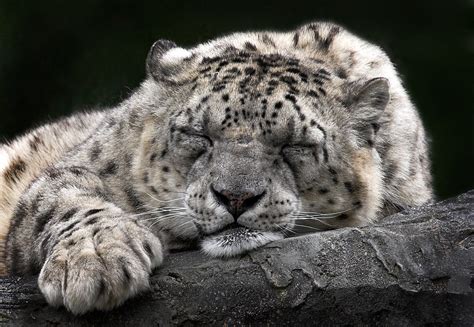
(230, 145)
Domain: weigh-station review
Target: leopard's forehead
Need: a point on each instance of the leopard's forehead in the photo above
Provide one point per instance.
(271, 96)
(258, 75)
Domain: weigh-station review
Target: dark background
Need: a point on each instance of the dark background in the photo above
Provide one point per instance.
(58, 56)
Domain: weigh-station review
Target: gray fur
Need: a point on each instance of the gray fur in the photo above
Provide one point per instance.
(309, 129)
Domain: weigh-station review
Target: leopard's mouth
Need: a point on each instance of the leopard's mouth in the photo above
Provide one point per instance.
(235, 239)
(229, 227)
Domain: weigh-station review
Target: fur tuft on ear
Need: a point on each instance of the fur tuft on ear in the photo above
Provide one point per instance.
(165, 59)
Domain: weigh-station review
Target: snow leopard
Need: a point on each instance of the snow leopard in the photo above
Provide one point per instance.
(227, 146)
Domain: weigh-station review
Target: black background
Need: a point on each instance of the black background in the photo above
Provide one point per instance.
(60, 56)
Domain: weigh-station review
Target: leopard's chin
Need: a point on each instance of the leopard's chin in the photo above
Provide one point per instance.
(235, 241)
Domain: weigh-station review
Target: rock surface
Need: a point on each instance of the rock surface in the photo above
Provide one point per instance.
(413, 268)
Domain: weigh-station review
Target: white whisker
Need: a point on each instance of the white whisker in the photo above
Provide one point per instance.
(171, 215)
(324, 223)
(312, 216)
(309, 227)
(161, 219)
(163, 207)
(170, 210)
(326, 213)
(150, 212)
(181, 225)
(156, 199)
(284, 228)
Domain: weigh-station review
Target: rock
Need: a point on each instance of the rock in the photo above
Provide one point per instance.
(412, 268)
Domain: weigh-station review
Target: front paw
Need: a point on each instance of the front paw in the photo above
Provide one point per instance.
(100, 266)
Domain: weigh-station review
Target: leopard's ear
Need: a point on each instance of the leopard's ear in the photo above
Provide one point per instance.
(370, 100)
(367, 102)
(165, 59)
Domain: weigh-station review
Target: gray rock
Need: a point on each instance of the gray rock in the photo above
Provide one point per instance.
(413, 268)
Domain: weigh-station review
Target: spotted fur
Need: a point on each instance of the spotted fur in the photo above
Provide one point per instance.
(231, 144)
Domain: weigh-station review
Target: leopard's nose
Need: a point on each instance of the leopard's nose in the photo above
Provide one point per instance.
(236, 203)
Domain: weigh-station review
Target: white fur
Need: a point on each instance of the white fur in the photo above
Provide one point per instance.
(215, 247)
(175, 55)
(4, 159)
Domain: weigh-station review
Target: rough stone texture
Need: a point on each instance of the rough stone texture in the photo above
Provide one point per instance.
(414, 268)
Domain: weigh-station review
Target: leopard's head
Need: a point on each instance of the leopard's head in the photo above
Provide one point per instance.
(253, 145)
